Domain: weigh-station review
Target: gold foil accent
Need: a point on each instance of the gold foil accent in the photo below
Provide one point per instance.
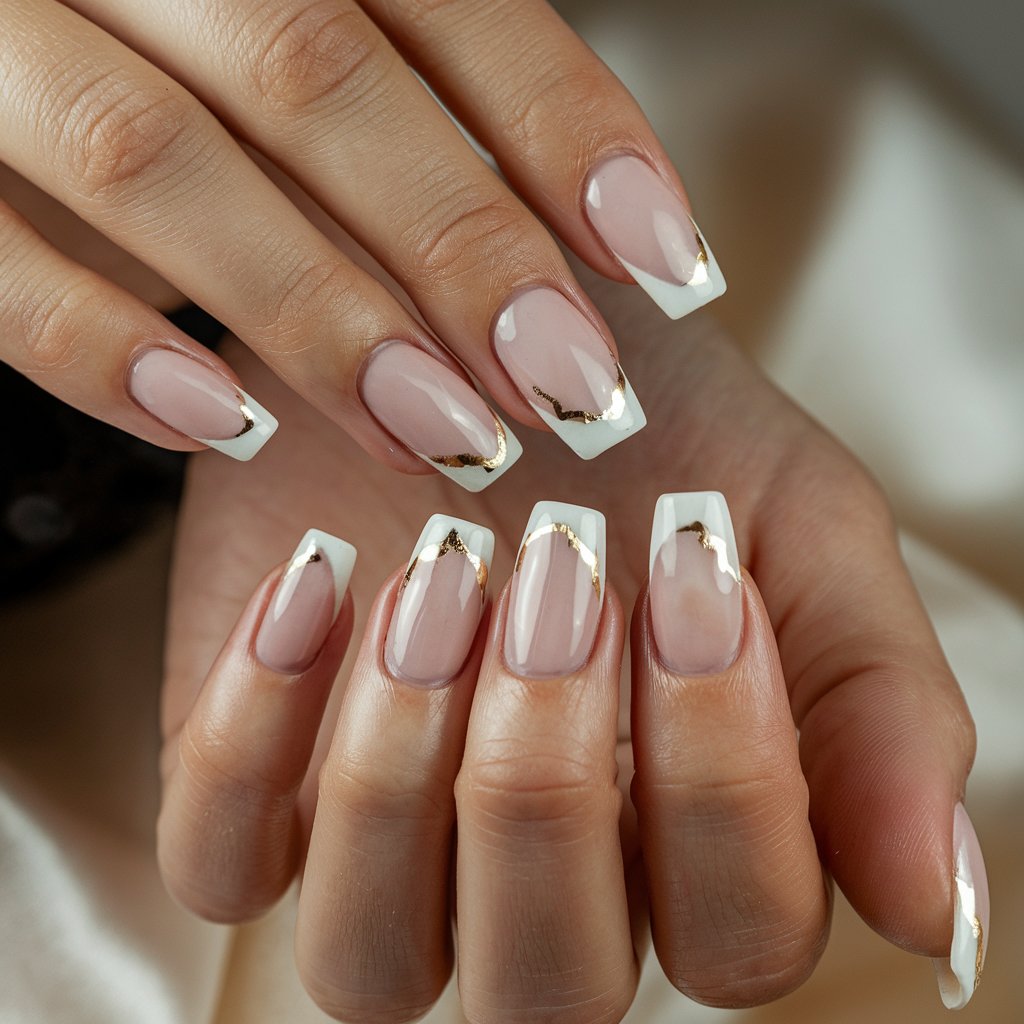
(463, 460)
(613, 412)
(702, 253)
(452, 542)
(713, 543)
(588, 557)
(309, 554)
(247, 415)
(979, 957)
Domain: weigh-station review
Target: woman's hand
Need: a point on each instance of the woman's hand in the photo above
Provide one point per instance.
(552, 879)
(166, 125)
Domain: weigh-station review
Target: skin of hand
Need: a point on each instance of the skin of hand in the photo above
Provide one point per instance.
(168, 127)
(886, 740)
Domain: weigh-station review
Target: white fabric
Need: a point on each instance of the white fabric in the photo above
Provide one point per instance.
(876, 267)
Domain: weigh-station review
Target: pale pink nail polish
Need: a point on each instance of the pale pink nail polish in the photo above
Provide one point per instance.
(437, 415)
(440, 601)
(305, 603)
(696, 598)
(563, 367)
(557, 591)
(960, 974)
(195, 400)
(647, 227)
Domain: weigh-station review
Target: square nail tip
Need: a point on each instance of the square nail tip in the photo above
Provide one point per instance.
(246, 445)
(340, 555)
(479, 540)
(676, 510)
(587, 525)
(476, 478)
(678, 300)
(588, 440)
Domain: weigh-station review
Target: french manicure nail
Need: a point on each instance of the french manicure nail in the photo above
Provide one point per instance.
(437, 415)
(960, 974)
(696, 599)
(557, 591)
(647, 228)
(306, 603)
(197, 401)
(439, 602)
(562, 366)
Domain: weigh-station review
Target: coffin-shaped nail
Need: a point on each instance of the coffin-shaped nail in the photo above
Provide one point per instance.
(439, 602)
(437, 415)
(696, 599)
(960, 974)
(557, 591)
(562, 366)
(645, 225)
(200, 403)
(306, 603)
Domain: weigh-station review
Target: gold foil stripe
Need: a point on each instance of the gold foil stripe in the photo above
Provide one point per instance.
(304, 557)
(463, 460)
(702, 253)
(979, 957)
(613, 412)
(711, 542)
(247, 415)
(588, 557)
(452, 542)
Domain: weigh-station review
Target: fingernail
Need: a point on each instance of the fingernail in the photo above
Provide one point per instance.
(648, 230)
(960, 975)
(195, 400)
(557, 591)
(306, 603)
(565, 370)
(437, 415)
(440, 601)
(696, 598)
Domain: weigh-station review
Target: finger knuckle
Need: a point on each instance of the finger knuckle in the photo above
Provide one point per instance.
(316, 52)
(312, 293)
(468, 232)
(53, 320)
(382, 802)
(568, 96)
(549, 795)
(118, 135)
(356, 1007)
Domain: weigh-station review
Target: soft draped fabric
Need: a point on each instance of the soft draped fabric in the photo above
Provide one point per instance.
(873, 240)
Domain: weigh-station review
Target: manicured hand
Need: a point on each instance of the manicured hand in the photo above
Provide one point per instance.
(169, 124)
(506, 722)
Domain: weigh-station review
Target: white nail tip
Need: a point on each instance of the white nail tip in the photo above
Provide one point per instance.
(959, 975)
(708, 509)
(476, 478)
(478, 540)
(260, 427)
(340, 556)
(588, 440)
(584, 529)
(676, 300)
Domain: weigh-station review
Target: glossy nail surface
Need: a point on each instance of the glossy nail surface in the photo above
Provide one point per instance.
(645, 225)
(960, 974)
(696, 598)
(557, 591)
(195, 400)
(439, 603)
(306, 603)
(437, 415)
(563, 368)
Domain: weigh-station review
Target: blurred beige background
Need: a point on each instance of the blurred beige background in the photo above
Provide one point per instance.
(857, 168)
